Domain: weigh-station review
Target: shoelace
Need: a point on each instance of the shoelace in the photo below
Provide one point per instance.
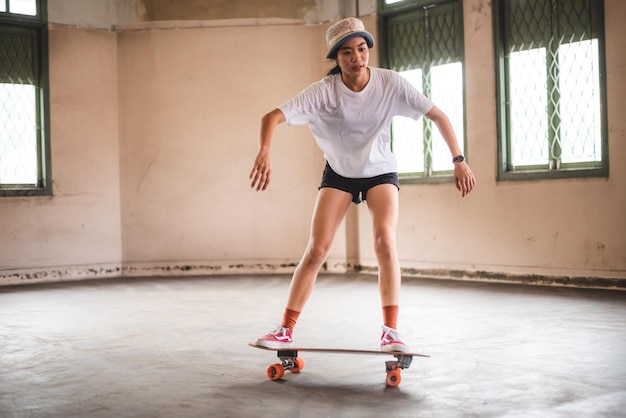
(390, 333)
(280, 330)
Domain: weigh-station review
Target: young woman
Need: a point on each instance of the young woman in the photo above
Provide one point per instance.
(349, 113)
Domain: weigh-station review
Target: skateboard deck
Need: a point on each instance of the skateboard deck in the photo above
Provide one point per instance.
(289, 360)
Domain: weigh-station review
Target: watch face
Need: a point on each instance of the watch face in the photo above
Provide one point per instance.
(458, 159)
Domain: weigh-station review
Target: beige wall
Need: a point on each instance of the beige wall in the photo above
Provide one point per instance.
(154, 131)
(75, 233)
(191, 102)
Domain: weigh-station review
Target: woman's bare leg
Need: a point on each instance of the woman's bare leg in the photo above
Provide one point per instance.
(330, 209)
(382, 202)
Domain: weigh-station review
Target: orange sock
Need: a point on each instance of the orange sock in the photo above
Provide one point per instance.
(390, 316)
(290, 317)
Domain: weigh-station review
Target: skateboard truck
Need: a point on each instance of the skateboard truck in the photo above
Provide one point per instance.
(289, 360)
(402, 361)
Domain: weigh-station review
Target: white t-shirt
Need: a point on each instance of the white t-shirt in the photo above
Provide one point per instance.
(353, 129)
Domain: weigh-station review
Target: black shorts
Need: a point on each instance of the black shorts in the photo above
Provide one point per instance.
(356, 187)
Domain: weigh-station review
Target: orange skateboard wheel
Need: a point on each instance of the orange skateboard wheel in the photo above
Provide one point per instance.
(394, 377)
(275, 371)
(299, 365)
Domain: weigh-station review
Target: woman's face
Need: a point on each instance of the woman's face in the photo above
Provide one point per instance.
(353, 56)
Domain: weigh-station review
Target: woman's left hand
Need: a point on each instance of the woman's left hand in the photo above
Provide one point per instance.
(463, 178)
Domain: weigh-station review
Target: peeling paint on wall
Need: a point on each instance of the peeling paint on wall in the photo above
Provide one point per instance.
(100, 14)
(160, 10)
(72, 273)
(208, 269)
(59, 274)
(525, 279)
(112, 14)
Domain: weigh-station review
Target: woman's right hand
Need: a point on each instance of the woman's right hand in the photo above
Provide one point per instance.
(260, 174)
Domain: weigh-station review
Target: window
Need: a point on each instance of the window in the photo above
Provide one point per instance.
(423, 41)
(551, 90)
(24, 144)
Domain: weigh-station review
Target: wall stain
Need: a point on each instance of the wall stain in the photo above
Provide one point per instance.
(481, 9)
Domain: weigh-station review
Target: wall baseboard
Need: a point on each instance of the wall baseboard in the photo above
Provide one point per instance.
(590, 282)
(106, 271)
(184, 269)
(59, 274)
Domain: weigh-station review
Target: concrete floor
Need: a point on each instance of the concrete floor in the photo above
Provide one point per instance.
(177, 348)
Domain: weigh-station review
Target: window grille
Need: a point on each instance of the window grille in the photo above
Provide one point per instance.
(24, 147)
(551, 92)
(424, 43)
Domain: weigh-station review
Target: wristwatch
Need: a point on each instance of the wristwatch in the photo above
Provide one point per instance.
(458, 159)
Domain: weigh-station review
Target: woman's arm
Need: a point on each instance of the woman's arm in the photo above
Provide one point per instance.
(463, 177)
(260, 174)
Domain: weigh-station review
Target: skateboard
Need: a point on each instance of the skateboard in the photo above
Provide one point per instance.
(289, 360)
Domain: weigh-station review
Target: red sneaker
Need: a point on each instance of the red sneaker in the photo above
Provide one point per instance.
(278, 338)
(390, 341)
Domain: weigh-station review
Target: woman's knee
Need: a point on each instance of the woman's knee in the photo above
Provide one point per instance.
(385, 245)
(316, 253)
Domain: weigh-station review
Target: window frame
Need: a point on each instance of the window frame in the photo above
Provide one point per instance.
(410, 6)
(37, 25)
(505, 171)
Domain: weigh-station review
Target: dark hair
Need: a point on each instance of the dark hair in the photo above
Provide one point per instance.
(334, 70)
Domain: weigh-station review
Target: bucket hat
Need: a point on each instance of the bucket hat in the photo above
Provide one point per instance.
(344, 30)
